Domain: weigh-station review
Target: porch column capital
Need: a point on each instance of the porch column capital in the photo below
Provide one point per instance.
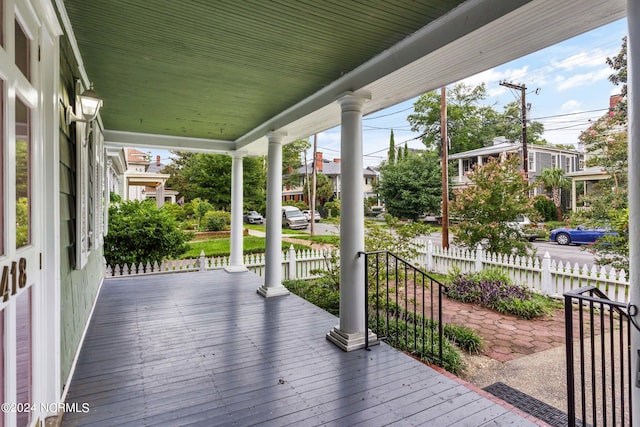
(276, 136)
(353, 101)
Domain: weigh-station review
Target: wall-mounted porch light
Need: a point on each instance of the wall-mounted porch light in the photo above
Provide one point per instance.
(90, 104)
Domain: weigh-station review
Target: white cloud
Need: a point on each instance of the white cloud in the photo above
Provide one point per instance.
(571, 106)
(590, 58)
(496, 75)
(584, 79)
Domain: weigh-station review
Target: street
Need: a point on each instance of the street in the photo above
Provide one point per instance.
(567, 254)
(572, 254)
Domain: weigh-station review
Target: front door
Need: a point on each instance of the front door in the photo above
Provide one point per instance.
(20, 207)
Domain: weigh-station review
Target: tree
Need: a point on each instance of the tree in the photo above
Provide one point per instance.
(469, 124)
(554, 179)
(619, 64)
(607, 143)
(509, 125)
(392, 149)
(412, 186)
(291, 161)
(324, 187)
(139, 232)
(498, 194)
(208, 177)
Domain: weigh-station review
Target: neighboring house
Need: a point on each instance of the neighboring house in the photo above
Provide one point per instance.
(589, 176)
(540, 157)
(142, 179)
(330, 168)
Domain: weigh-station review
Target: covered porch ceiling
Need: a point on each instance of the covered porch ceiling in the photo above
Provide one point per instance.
(219, 75)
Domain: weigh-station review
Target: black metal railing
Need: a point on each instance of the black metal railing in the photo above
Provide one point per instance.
(599, 372)
(404, 306)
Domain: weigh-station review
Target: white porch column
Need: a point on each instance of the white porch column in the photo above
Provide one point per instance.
(273, 258)
(235, 260)
(633, 80)
(350, 334)
(574, 195)
(160, 195)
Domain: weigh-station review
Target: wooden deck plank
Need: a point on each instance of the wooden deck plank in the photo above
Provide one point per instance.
(204, 348)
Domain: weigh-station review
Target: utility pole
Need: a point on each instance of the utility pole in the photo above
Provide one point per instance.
(525, 157)
(312, 205)
(445, 172)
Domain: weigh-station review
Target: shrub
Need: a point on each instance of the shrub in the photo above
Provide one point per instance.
(176, 210)
(491, 288)
(318, 292)
(464, 337)
(216, 220)
(523, 308)
(332, 207)
(545, 207)
(139, 232)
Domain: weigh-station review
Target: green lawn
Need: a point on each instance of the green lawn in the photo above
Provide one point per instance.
(221, 247)
(262, 228)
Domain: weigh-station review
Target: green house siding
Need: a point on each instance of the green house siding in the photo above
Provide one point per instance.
(78, 288)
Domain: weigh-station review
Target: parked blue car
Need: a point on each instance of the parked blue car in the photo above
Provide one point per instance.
(580, 235)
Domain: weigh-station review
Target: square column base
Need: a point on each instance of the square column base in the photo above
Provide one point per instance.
(236, 268)
(273, 291)
(349, 342)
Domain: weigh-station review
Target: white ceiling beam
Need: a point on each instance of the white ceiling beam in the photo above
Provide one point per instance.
(114, 138)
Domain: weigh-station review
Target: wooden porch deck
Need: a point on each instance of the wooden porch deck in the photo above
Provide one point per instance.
(204, 348)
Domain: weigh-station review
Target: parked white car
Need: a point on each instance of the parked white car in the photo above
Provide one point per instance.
(307, 214)
(524, 225)
(293, 218)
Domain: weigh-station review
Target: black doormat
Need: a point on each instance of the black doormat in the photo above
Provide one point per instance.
(530, 405)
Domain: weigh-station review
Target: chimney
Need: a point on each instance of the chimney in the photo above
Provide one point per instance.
(613, 101)
(336, 160)
(158, 160)
(319, 161)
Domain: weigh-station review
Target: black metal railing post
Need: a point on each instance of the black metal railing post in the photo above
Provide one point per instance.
(605, 368)
(571, 400)
(400, 318)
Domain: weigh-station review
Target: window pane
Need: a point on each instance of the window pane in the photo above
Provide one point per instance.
(23, 356)
(22, 51)
(23, 172)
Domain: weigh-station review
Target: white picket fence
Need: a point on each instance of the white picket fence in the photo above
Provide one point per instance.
(542, 275)
(302, 264)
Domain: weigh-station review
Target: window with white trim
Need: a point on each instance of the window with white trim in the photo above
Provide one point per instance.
(532, 162)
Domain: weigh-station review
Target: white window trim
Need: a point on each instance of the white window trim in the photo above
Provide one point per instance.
(532, 161)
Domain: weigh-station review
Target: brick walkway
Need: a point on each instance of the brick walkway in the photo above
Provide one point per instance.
(507, 337)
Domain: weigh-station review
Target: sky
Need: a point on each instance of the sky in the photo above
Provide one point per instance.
(567, 87)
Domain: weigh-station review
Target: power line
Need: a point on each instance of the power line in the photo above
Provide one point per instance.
(389, 114)
(570, 114)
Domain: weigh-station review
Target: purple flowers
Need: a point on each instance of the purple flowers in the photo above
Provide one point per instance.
(488, 292)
